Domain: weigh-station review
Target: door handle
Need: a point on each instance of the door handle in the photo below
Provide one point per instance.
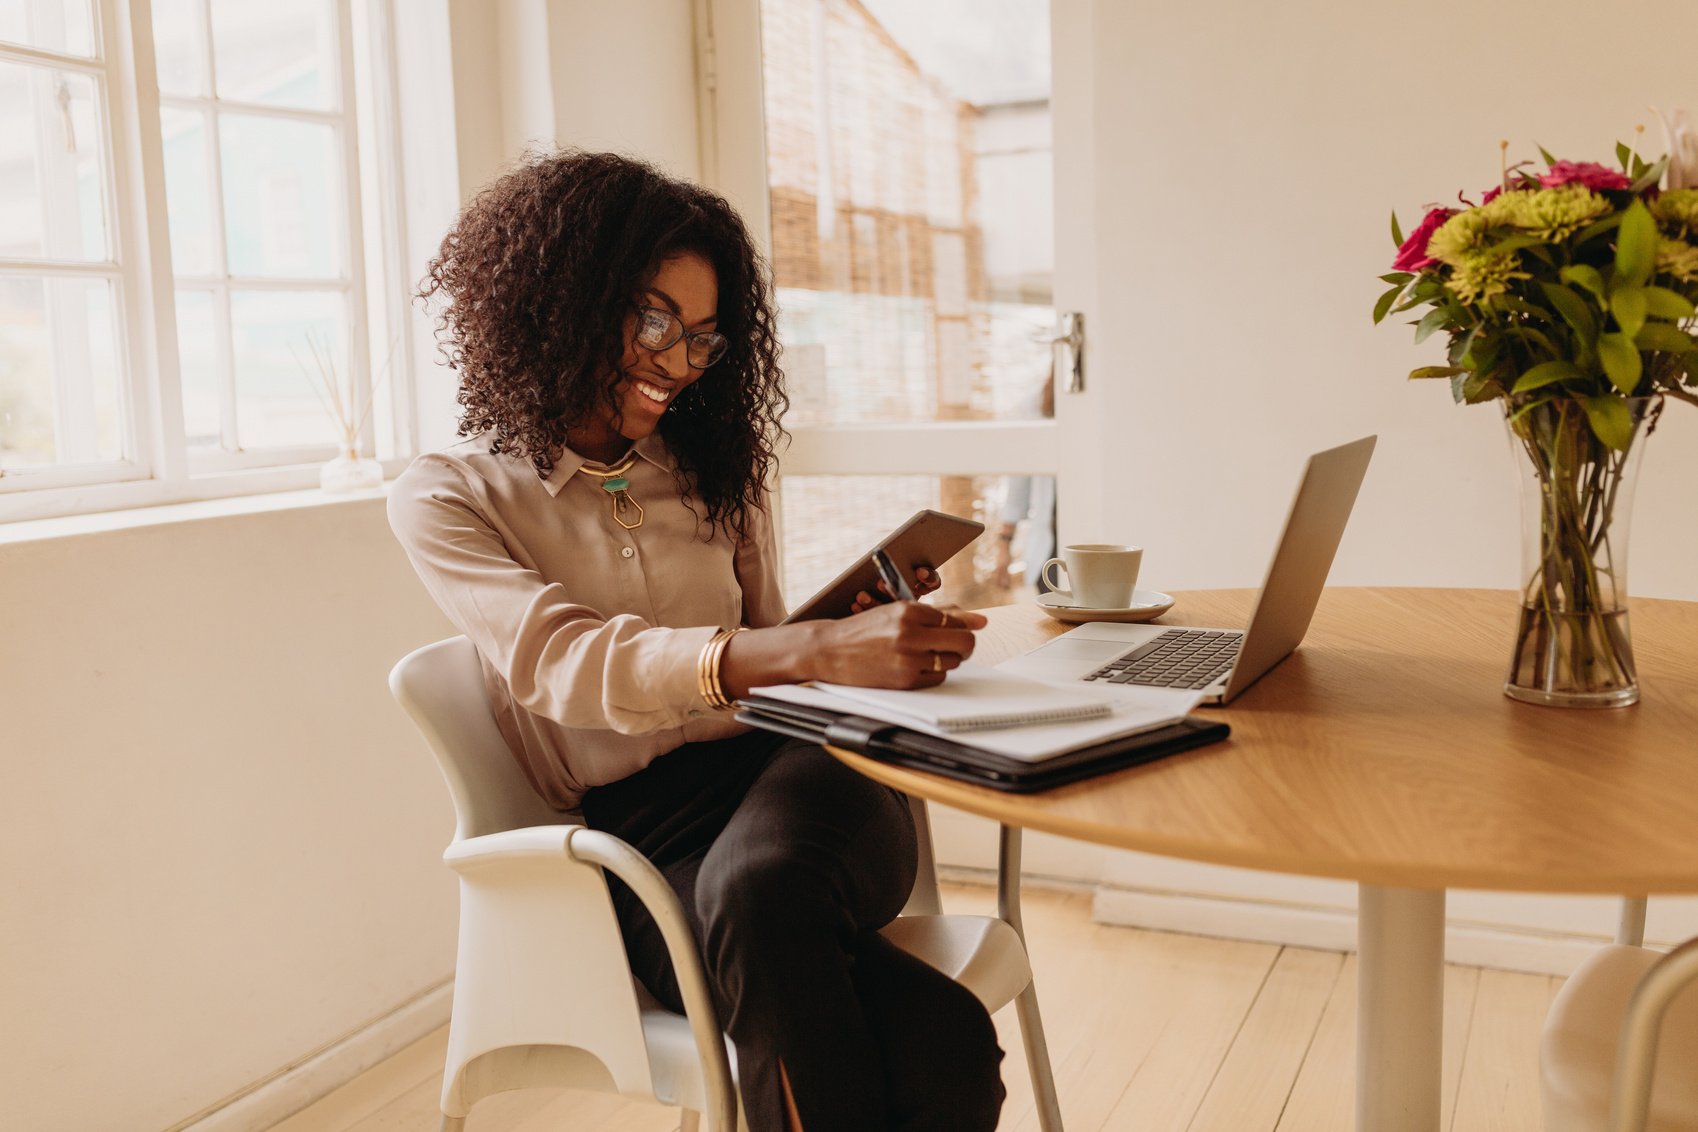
(1072, 336)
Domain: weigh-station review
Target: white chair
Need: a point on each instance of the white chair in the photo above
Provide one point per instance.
(543, 994)
(1620, 1047)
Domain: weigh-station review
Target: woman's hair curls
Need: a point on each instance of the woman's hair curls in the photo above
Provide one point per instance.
(540, 271)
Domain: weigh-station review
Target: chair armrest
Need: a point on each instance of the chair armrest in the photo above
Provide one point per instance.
(1637, 1054)
(619, 858)
(528, 843)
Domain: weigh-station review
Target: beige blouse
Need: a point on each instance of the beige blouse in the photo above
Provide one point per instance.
(588, 632)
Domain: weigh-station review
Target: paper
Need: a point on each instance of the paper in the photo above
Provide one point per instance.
(976, 697)
(1132, 710)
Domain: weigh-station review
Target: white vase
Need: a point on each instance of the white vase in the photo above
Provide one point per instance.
(350, 471)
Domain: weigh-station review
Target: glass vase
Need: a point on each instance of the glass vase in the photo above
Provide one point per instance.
(1572, 645)
(350, 471)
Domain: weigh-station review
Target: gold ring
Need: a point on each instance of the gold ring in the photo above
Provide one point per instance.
(944, 624)
(937, 662)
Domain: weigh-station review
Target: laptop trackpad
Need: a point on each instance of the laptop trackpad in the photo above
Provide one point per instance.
(1076, 648)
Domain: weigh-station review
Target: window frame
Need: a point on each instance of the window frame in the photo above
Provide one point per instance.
(162, 469)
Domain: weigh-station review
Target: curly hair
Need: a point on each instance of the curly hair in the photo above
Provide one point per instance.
(540, 271)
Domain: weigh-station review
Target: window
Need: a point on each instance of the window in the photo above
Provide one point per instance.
(183, 252)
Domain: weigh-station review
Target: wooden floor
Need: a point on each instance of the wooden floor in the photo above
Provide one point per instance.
(1147, 1031)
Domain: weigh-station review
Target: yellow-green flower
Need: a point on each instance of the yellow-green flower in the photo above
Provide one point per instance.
(1677, 258)
(1677, 206)
(1550, 214)
(1479, 275)
(1457, 237)
(1505, 209)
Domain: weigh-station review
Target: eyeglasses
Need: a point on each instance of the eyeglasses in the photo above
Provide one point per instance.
(659, 329)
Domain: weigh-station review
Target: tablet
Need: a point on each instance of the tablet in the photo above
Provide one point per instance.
(929, 539)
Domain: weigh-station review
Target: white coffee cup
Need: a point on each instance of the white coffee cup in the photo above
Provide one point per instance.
(1102, 574)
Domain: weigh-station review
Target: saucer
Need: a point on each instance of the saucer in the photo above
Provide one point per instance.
(1146, 604)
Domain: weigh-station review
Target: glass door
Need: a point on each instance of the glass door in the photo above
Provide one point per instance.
(902, 179)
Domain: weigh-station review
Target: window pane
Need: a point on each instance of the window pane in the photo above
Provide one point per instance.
(280, 52)
(188, 190)
(60, 389)
(197, 353)
(179, 46)
(52, 166)
(277, 381)
(831, 520)
(65, 26)
(909, 166)
(282, 200)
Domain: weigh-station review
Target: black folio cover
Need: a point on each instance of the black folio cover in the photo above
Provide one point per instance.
(893, 743)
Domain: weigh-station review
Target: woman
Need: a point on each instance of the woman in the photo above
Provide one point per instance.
(603, 536)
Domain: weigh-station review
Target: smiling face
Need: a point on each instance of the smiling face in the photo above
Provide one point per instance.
(650, 380)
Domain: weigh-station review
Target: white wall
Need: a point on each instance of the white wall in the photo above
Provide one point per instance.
(1247, 159)
(222, 839)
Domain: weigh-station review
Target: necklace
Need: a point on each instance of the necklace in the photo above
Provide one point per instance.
(613, 482)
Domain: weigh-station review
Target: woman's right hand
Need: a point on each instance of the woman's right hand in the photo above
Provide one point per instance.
(903, 644)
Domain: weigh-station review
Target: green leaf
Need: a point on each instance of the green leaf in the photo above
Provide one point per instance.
(1623, 154)
(1545, 373)
(1386, 300)
(1546, 154)
(1610, 420)
(1460, 344)
(1668, 339)
(1533, 404)
(1435, 319)
(1398, 277)
(1435, 371)
(1664, 303)
(1650, 176)
(1479, 387)
(1636, 245)
(1586, 276)
(1574, 310)
(1598, 228)
(1396, 230)
(1512, 244)
(1629, 305)
(1621, 361)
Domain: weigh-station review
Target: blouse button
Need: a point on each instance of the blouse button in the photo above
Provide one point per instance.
(695, 713)
(626, 552)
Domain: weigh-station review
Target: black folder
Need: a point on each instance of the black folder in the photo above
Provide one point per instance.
(901, 746)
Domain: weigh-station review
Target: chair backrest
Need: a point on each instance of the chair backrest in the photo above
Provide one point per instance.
(441, 686)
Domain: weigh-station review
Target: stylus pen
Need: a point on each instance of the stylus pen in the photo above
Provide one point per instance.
(893, 579)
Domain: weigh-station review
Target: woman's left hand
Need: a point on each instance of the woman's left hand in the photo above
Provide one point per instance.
(926, 581)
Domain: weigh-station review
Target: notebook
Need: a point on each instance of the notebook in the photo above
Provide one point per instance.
(1022, 760)
(978, 698)
(1129, 713)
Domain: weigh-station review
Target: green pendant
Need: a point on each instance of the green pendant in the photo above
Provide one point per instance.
(615, 485)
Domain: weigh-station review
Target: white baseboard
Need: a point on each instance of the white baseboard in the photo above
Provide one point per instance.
(294, 1087)
(1334, 929)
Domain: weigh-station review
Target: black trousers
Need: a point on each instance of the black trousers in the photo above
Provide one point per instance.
(787, 863)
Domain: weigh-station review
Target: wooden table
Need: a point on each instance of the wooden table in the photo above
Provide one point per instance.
(1383, 751)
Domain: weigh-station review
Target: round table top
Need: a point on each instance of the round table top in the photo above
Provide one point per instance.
(1384, 751)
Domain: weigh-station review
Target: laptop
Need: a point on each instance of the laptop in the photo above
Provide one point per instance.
(1223, 662)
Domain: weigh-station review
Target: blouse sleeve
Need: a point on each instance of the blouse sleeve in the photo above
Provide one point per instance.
(561, 660)
(757, 570)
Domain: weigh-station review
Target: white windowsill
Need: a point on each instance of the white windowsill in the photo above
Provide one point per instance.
(192, 510)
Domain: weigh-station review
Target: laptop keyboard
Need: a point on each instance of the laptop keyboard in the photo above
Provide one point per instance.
(1178, 658)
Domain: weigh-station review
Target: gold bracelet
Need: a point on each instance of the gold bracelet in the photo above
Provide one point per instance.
(707, 669)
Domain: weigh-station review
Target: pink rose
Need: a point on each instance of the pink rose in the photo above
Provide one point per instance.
(1412, 256)
(1491, 194)
(1589, 173)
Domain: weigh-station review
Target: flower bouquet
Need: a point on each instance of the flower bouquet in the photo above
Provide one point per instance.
(1567, 296)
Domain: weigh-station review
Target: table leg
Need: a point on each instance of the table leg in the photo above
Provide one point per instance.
(1400, 1009)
